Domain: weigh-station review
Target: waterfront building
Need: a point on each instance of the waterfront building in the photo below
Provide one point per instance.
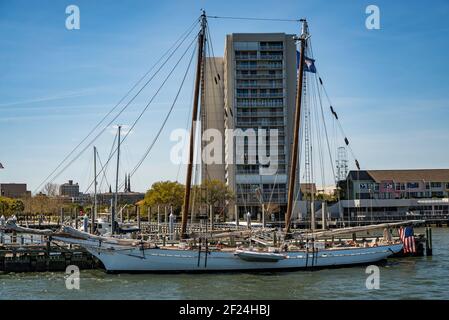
(252, 87)
(394, 194)
(398, 184)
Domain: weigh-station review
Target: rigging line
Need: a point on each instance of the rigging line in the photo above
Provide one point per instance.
(105, 168)
(212, 64)
(325, 128)
(255, 18)
(166, 117)
(88, 172)
(121, 111)
(104, 172)
(183, 37)
(338, 121)
(318, 134)
(151, 100)
(273, 189)
(213, 55)
(187, 126)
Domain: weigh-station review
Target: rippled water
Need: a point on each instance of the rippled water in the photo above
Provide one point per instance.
(406, 278)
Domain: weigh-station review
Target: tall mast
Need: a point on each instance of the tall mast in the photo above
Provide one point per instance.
(294, 157)
(199, 64)
(94, 214)
(114, 211)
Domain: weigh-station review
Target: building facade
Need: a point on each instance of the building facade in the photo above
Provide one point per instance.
(69, 189)
(398, 184)
(254, 93)
(394, 194)
(14, 190)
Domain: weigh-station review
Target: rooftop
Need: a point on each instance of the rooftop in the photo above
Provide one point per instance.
(407, 175)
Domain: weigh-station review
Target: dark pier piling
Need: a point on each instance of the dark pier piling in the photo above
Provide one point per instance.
(44, 257)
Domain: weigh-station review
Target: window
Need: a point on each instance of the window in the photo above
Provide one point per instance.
(412, 185)
(435, 184)
(242, 45)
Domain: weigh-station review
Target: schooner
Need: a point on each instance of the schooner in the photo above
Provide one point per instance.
(194, 253)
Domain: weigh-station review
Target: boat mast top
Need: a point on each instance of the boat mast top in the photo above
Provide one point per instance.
(114, 210)
(198, 81)
(294, 153)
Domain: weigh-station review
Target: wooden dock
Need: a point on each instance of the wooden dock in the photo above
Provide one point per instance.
(43, 257)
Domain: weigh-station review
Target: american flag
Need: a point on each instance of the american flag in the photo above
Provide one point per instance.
(408, 240)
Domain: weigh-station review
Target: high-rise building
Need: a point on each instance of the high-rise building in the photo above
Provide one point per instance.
(258, 89)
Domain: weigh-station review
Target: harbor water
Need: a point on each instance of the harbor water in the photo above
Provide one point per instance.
(402, 278)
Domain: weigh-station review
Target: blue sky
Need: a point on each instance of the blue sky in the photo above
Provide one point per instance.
(389, 86)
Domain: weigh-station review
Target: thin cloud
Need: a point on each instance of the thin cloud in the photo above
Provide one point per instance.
(66, 95)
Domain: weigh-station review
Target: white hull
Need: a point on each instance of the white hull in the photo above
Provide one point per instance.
(135, 259)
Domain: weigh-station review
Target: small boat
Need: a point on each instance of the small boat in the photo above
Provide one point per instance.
(256, 256)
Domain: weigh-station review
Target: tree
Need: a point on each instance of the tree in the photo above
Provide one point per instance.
(17, 206)
(10, 206)
(41, 203)
(214, 193)
(165, 193)
(50, 189)
(4, 206)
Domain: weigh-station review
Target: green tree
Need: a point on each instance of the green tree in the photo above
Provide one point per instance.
(10, 206)
(17, 206)
(5, 206)
(214, 193)
(165, 193)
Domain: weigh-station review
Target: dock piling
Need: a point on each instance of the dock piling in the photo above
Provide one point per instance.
(429, 241)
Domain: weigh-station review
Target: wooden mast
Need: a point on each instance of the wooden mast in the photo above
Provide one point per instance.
(198, 78)
(94, 213)
(294, 149)
(114, 210)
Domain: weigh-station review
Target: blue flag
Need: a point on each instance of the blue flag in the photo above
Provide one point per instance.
(309, 64)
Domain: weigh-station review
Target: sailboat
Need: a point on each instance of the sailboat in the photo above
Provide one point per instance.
(119, 255)
(195, 253)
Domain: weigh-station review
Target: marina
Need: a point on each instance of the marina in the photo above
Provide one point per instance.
(39, 253)
(401, 278)
(287, 250)
(248, 174)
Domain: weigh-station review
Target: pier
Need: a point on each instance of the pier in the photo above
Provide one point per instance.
(25, 254)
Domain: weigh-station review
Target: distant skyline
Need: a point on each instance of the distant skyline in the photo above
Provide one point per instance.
(390, 87)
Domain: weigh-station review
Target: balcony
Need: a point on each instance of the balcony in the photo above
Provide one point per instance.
(259, 66)
(259, 76)
(259, 57)
(260, 95)
(260, 114)
(259, 123)
(259, 85)
(271, 47)
(260, 103)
